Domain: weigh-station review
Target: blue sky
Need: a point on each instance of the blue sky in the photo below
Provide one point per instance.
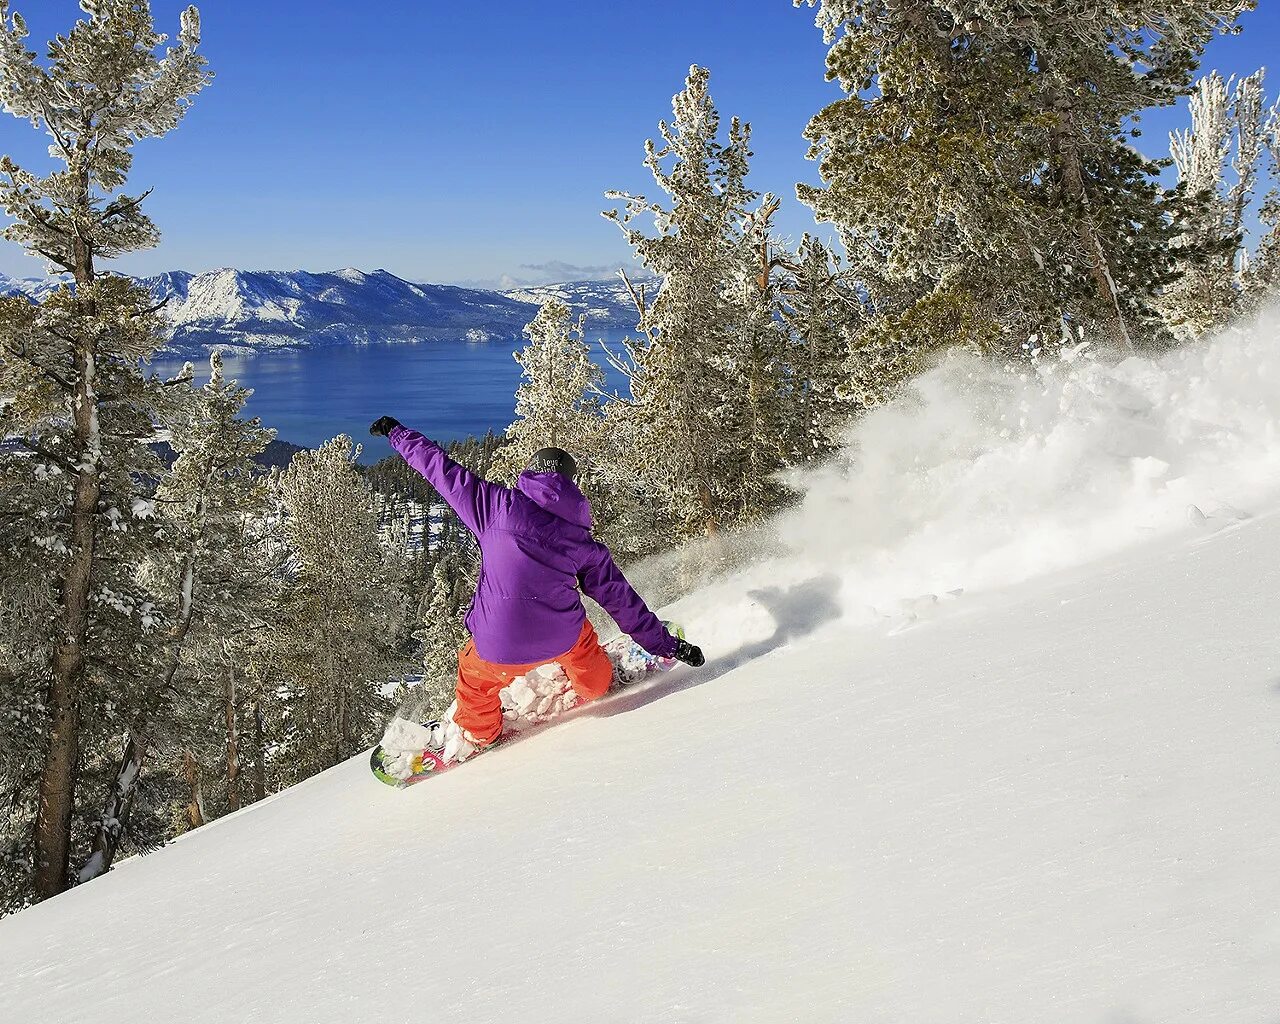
(467, 142)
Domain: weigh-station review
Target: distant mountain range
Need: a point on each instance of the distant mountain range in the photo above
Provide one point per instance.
(273, 309)
(606, 303)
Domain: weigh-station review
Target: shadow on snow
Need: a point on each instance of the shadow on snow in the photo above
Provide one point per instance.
(797, 611)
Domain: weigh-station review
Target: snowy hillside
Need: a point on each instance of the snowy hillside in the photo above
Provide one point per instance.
(33, 287)
(258, 309)
(263, 308)
(608, 304)
(993, 741)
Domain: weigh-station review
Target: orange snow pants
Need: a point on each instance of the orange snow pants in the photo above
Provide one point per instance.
(479, 708)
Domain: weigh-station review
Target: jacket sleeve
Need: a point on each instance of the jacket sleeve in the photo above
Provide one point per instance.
(472, 497)
(603, 582)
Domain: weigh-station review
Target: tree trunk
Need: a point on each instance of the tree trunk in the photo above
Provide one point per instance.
(260, 760)
(57, 781)
(58, 777)
(119, 802)
(52, 833)
(195, 807)
(233, 743)
(1072, 170)
(342, 741)
(115, 813)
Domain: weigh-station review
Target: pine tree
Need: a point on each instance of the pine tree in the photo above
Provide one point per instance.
(557, 402)
(338, 638)
(771, 385)
(819, 314)
(701, 371)
(1249, 123)
(924, 192)
(1227, 125)
(979, 167)
(1261, 273)
(213, 581)
(83, 410)
(28, 607)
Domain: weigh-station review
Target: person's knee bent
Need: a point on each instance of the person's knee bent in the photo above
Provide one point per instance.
(591, 672)
(479, 709)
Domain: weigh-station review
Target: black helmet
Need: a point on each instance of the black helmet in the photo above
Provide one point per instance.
(553, 460)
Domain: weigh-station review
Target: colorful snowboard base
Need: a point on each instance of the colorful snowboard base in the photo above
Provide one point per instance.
(631, 664)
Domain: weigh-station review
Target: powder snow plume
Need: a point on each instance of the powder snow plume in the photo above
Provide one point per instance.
(981, 476)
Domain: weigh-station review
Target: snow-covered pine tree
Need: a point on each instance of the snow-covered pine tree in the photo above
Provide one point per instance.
(1227, 121)
(923, 190)
(557, 402)
(819, 313)
(211, 738)
(264, 693)
(769, 404)
(28, 607)
(687, 424)
(213, 581)
(1249, 120)
(83, 411)
(980, 164)
(631, 514)
(339, 635)
(1261, 274)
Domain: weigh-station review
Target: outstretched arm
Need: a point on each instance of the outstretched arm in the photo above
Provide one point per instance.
(472, 497)
(603, 582)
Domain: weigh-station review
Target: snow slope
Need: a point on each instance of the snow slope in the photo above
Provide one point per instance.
(994, 741)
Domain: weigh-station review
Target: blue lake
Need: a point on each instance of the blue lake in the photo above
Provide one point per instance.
(447, 390)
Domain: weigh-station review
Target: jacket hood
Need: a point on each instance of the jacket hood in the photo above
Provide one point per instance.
(558, 495)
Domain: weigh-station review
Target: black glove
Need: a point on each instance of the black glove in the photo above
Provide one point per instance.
(383, 425)
(689, 654)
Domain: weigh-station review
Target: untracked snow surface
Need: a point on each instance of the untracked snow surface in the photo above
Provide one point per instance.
(996, 741)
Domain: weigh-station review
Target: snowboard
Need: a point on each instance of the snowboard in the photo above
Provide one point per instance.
(412, 752)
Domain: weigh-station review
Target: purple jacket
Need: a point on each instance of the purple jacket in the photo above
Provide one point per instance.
(536, 550)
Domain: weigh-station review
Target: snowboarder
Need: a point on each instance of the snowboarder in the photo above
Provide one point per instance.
(536, 551)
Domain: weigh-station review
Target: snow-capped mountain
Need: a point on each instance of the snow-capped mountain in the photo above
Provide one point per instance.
(608, 304)
(268, 308)
(272, 308)
(37, 288)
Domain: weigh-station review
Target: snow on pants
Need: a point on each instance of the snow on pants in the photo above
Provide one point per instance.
(479, 707)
